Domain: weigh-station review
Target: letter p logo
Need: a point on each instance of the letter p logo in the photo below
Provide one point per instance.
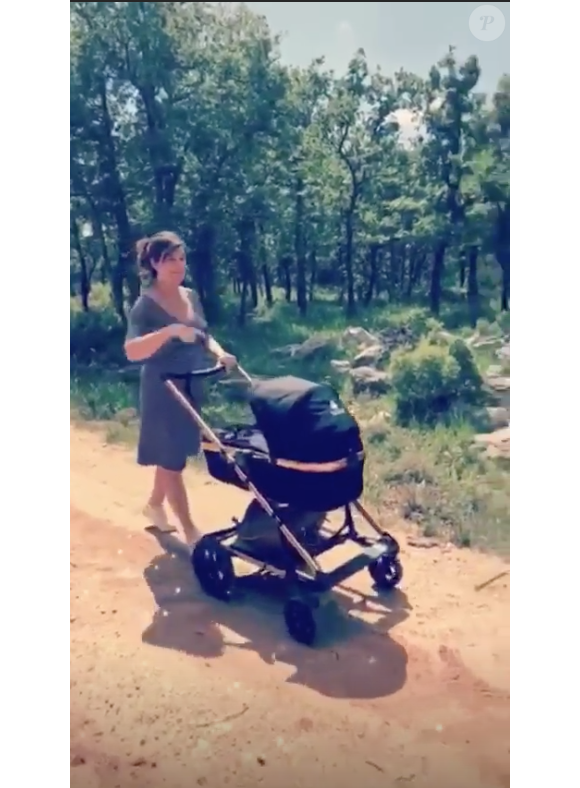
(487, 22)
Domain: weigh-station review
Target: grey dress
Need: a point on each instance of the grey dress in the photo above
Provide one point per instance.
(168, 435)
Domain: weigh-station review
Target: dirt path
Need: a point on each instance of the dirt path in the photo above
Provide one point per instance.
(171, 689)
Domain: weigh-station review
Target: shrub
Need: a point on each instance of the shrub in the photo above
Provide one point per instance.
(503, 321)
(96, 336)
(431, 380)
(470, 381)
(416, 319)
(486, 328)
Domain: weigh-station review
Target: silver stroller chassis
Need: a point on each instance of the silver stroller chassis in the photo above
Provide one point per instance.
(305, 582)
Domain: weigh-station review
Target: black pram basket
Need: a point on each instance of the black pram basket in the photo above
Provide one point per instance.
(305, 449)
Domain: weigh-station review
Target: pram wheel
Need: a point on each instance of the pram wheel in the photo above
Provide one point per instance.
(386, 572)
(300, 621)
(213, 567)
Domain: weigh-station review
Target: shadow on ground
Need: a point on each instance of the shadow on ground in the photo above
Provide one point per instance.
(354, 658)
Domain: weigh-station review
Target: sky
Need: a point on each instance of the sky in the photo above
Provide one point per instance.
(406, 35)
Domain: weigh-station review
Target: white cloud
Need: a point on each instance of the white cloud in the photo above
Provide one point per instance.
(344, 27)
(410, 124)
(345, 37)
(407, 120)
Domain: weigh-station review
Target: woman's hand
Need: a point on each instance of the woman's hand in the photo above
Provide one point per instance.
(228, 361)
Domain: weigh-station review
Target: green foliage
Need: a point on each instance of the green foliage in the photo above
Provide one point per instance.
(433, 476)
(184, 117)
(101, 395)
(300, 202)
(96, 336)
(433, 379)
(470, 379)
(503, 321)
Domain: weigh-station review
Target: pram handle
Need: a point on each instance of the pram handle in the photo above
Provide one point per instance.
(204, 373)
(195, 373)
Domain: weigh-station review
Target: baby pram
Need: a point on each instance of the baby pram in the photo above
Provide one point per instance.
(302, 459)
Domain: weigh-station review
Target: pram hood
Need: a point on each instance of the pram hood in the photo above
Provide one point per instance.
(304, 421)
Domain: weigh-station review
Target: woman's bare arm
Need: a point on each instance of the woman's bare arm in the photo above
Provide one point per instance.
(214, 347)
(143, 339)
(141, 348)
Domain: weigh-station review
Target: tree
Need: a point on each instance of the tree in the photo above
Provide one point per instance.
(184, 117)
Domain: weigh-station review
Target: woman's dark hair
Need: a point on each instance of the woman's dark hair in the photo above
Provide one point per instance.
(154, 249)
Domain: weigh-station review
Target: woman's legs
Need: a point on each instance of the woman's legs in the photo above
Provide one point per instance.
(154, 510)
(157, 496)
(171, 483)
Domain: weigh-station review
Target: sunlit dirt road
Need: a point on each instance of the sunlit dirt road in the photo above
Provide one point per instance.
(169, 688)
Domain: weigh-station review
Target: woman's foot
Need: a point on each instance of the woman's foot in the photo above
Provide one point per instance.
(157, 517)
(192, 538)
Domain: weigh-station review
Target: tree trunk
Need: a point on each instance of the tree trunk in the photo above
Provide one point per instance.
(300, 251)
(313, 274)
(472, 285)
(414, 270)
(165, 174)
(418, 270)
(348, 258)
(267, 285)
(204, 270)
(264, 270)
(373, 254)
(116, 199)
(503, 258)
(107, 272)
(286, 270)
(437, 277)
(502, 253)
(246, 268)
(391, 270)
(85, 274)
(462, 269)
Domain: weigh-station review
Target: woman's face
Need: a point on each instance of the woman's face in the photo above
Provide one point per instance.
(171, 269)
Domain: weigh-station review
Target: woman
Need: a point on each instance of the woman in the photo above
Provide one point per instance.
(166, 333)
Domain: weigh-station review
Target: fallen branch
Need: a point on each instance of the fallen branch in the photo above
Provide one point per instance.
(228, 718)
(481, 586)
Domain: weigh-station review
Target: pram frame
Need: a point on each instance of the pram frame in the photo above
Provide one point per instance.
(310, 575)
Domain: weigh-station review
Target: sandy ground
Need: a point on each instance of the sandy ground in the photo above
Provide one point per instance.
(169, 688)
